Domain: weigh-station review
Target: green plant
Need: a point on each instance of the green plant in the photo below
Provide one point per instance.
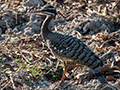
(35, 71)
(2, 53)
(111, 15)
(22, 37)
(30, 60)
(13, 35)
(4, 70)
(46, 65)
(9, 0)
(58, 62)
(10, 46)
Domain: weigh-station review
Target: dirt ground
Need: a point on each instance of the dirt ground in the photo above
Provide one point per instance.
(26, 62)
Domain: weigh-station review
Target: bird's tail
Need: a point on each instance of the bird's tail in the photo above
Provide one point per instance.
(101, 78)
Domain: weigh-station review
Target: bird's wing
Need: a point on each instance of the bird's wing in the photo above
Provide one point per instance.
(68, 46)
(71, 47)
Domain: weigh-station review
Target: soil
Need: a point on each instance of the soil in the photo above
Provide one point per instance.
(26, 62)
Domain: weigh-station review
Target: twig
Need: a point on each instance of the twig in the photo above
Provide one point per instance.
(78, 34)
(106, 16)
(49, 61)
(43, 44)
(61, 14)
(19, 69)
(69, 83)
(12, 82)
(116, 4)
(25, 58)
(6, 85)
(107, 42)
(72, 16)
(107, 55)
(22, 54)
(16, 18)
(39, 59)
(9, 53)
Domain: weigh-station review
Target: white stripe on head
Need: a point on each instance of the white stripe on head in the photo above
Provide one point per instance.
(49, 13)
(50, 10)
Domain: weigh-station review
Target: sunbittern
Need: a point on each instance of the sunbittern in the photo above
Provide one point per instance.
(67, 47)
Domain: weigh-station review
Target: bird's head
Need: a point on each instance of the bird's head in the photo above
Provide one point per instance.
(47, 9)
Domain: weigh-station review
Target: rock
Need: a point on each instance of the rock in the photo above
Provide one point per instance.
(28, 31)
(44, 84)
(34, 25)
(107, 87)
(86, 27)
(7, 21)
(104, 27)
(78, 28)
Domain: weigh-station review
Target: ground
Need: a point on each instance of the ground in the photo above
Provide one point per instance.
(27, 63)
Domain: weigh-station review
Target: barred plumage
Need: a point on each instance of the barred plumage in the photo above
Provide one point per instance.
(69, 48)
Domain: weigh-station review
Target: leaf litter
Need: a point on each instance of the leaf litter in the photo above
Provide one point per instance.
(27, 63)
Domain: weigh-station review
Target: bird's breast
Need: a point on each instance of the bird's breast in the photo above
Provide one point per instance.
(59, 51)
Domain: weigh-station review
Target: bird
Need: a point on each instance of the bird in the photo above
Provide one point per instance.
(67, 47)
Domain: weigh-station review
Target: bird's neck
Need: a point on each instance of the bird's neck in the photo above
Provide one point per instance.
(44, 29)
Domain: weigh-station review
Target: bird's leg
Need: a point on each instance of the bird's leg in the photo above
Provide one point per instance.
(63, 76)
(66, 65)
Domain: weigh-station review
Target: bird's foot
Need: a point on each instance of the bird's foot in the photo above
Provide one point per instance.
(59, 83)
